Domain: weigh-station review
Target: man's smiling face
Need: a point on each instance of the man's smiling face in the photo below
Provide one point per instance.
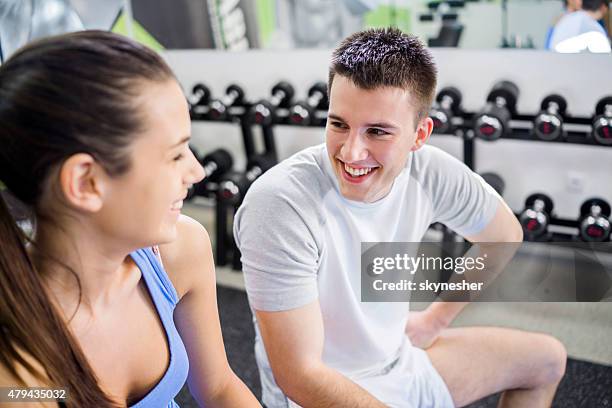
(369, 135)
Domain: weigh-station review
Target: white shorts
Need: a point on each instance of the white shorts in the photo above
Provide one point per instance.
(411, 381)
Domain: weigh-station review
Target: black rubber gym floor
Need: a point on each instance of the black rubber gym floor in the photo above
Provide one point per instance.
(584, 385)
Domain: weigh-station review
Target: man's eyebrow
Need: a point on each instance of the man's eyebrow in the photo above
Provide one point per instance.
(183, 140)
(383, 125)
(335, 117)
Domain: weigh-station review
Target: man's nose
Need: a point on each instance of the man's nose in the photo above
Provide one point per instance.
(354, 149)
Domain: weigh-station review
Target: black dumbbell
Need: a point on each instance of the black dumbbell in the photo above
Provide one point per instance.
(548, 124)
(234, 95)
(495, 181)
(234, 185)
(447, 105)
(493, 121)
(303, 113)
(200, 95)
(594, 220)
(536, 216)
(215, 164)
(602, 123)
(263, 112)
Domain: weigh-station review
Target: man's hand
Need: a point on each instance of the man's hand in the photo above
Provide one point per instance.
(423, 328)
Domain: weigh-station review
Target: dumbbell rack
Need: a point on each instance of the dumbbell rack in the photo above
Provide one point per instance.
(210, 189)
(224, 244)
(237, 115)
(576, 130)
(557, 236)
(226, 250)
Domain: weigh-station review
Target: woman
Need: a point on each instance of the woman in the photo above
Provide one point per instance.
(94, 138)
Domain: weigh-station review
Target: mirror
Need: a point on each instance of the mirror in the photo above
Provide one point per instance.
(297, 24)
(294, 24)
(22, 21)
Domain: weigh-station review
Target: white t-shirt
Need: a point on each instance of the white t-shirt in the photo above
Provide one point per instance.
(301, 240)
(578, 31)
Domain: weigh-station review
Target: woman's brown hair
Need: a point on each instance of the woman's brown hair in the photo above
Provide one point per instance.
(60, 96)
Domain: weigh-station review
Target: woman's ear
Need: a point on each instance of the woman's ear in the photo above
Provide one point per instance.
(82, 182)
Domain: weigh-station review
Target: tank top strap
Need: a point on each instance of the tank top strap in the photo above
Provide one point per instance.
(151, 267)
(165, 298)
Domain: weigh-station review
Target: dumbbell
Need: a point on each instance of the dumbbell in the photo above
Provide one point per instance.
(235, 184)
(495, 181)
(602, 123)
(262, 113)
(200, 95)
(548, 124)
(303, 113)
(447, 105)
(536, 216)
(234, 95)
(493, 121)
(594, 220)
(215, 164)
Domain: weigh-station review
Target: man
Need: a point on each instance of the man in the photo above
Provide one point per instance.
(581, 31)
(300, 230)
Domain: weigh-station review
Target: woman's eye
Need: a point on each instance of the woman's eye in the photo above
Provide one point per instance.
(339, 125)
(179, 157)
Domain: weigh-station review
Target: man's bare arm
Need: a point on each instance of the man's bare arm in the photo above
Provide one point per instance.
(504, 227)
(294, 343)
(424, 327)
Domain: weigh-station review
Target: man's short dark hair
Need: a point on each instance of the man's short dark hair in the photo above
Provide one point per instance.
(593, 5)
(387, 57)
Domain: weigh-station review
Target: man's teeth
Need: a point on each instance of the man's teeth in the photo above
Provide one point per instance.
(357, 172)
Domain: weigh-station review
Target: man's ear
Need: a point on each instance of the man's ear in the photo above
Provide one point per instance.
(424, 129)
(82, 182)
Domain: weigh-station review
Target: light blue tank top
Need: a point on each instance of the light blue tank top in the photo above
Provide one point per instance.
(164, 298)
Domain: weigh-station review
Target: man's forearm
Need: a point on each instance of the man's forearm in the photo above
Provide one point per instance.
(325, 387)
(497, 256)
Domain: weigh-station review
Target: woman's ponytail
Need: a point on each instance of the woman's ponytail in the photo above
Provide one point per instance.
(31, 324)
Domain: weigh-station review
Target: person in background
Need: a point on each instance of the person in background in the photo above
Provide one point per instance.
(114, 295)
(581, 31)
(569, 6)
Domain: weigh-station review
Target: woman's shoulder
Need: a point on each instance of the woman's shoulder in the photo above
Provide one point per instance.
(186, 257)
